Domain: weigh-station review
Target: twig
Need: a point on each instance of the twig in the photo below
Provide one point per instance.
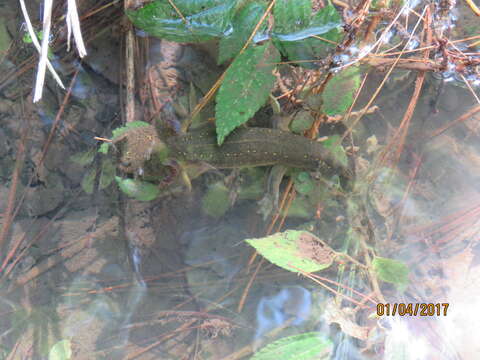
(9, 212)
(470, 88)
(460, 119)
(130, 73)
(403, 129)
(315, 278)
(474, 7)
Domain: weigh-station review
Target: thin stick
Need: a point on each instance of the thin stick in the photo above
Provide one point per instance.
(474, 7)
(9, 212)
(130, 74)
(460, 119)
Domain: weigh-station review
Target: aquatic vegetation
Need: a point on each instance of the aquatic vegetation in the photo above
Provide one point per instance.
(298, 33)
(313, 345)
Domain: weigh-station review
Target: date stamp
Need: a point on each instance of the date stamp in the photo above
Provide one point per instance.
(417, 309)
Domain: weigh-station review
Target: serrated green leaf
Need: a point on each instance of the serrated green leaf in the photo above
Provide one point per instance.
(62, 350)
(295, 27)
(119, 131)
(294, 251)
(391, 271)
(246, 88)
(202, 19)
(88, 181)
(333, 143)
(243, 24)
(216, 202)
(340, 91)
(140, 190)
(307, 346)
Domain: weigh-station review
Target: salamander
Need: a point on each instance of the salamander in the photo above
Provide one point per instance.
(244, 147)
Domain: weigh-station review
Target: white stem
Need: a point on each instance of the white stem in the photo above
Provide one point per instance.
(35, 42)
(73, 22)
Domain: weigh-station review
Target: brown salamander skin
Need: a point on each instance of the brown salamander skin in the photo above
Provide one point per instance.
(247, 147)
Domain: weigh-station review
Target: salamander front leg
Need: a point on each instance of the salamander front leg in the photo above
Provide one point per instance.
(269, 203)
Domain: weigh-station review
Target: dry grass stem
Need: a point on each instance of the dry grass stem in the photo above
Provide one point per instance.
(73, 24)
(42, 64)
(32, 34)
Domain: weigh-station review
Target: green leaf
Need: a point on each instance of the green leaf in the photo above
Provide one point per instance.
(294, 251)
(303, 183)
(340, 91)
(302, 122)
(5, 39)
(333, 143)
(295, 27)
(27, 39)
(307, 346)
(243, 24)
(202, 19)
(216, 200)
(299, 208)
(107, 174)
(119, 131)
(83, 158)
(391, 271)
(88, 181)
(253, 183)
(291, 15)
(62, 350)
(246, 88)
(140, 190)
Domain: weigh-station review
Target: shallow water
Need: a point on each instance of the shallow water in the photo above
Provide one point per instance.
(116, 278)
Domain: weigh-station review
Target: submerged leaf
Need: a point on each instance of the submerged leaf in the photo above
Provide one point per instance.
(246, 88)
(89, 180)
(295, 30)
(140, 190)
(243, 24)
(390, 270)
(340, 91)
(303, 183)
(195, 21)
(107, 174)
(62, 350)
(83, 158)
(333, 143)
(293, 250)
(216, 200)
(307, 346)
(302, 122)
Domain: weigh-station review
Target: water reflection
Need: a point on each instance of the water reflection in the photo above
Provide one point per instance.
(291, 304)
